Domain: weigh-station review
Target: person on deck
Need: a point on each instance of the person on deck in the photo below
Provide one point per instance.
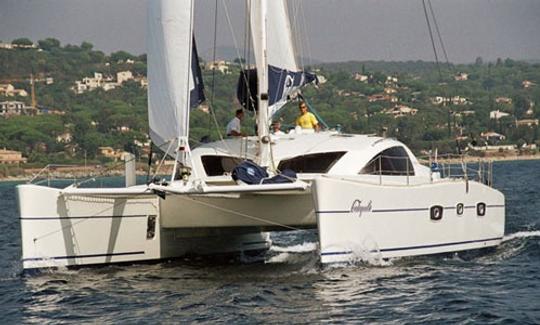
(306, 120)
(234, 128)
(276, 128)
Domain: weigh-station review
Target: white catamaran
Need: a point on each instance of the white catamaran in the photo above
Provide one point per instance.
(363, 193)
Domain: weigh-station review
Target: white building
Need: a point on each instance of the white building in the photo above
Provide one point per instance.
(98, 81)
(9, 90)
(361, 77)
(9, 108)
(401, 110)
(495, 115)
(221, 66)
(461, 76)
(503, 100)
(123, 76)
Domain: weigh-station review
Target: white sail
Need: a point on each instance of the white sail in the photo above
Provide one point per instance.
(172, 72)
(283, 75)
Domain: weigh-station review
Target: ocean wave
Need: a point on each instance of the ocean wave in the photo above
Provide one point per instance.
(521, 234)
(305, 247)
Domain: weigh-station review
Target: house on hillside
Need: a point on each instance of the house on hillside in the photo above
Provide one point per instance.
(503, 100)
(527, 122)
(11, 108)
(9, 90)
(221, 66)
(390, 90)
(461, 76)
(123, 76)
(527, 84)
(361, 77)
(381, 98)
(11, 157)
(495, 115)
(65, 137)
(492, 137)
(109, 152)
(401, 110)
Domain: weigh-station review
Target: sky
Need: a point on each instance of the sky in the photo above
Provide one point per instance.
(327, 30)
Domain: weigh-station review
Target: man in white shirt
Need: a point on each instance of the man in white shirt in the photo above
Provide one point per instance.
(276, 128)
(234, 128)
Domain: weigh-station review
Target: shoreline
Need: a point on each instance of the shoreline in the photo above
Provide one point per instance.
(473, 159)
(77, 172)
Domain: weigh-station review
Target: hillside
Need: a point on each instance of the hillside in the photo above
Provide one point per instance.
(85, 99)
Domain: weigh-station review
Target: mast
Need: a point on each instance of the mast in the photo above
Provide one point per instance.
(264, 157)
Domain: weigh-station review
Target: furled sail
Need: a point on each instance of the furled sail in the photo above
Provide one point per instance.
(174, 76)
(284, 75)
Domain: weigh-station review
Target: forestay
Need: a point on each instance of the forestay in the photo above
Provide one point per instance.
(174, 76)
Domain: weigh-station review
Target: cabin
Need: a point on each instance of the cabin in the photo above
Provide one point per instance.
(369, 157)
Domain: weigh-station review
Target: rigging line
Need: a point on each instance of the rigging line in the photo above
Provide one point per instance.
(247, 52)
(300, 38)
(431, 37)
(239, 213)
(308, 44)
(438, 32)
(163, 159)
(227, 151)
(235, 42)
(212, 115)
(214, 61)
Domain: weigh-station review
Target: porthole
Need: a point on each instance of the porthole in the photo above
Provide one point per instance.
(459, 209)
(481, 209)
(436, 212)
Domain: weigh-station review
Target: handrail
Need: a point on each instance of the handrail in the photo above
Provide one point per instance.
(451, 167)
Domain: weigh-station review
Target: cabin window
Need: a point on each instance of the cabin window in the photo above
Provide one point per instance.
(392, 161)
(312, 163)
(219, 165)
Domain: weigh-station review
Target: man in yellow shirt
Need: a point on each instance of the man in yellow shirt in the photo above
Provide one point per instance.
(306, 120)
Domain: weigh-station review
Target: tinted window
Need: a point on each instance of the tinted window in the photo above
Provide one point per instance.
(219, 165)
(313, 163)
(392, 161)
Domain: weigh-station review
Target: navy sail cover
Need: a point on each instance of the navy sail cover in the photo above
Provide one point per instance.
(196, 95)
(281, 84)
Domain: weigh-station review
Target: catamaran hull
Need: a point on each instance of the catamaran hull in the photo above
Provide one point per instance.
(70, 230)
(357, 220)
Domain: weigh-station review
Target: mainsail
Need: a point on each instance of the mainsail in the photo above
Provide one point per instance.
(284, 75)
(174, 76)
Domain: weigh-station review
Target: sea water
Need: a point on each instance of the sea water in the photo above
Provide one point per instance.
(497, 286)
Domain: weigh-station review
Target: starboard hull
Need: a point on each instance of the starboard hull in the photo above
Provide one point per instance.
(357, 220)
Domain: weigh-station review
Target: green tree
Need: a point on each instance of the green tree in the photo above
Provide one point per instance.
(22, 42)
(49, 44)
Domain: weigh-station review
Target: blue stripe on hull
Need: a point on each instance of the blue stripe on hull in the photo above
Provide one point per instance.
(81, 256)
(83, 217)
(406, 209)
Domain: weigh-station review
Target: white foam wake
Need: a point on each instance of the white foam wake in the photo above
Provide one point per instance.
(302, 248)
(521, 234)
